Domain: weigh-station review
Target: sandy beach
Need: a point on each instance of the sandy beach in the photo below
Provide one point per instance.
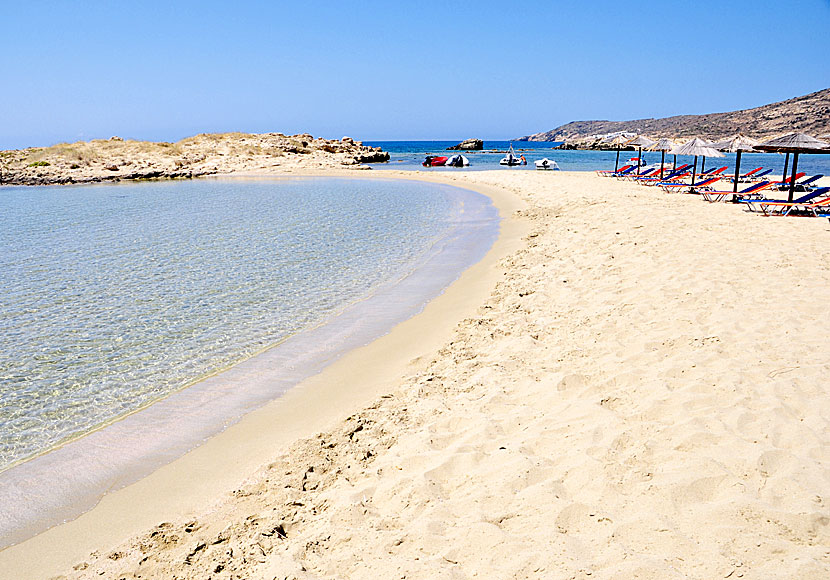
(630, 385)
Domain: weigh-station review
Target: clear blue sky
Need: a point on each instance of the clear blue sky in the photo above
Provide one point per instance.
(392, 70)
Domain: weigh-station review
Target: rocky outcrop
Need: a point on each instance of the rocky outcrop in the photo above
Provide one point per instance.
(468, 145)
(808, 114)
(116, 159)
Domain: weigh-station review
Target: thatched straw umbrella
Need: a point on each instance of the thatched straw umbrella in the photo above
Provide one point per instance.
(794, 143)
(639, 141)
(664, 145)
(697, 147)
(618, 141)
(737, 144)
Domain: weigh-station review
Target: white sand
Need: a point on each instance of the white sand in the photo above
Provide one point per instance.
(637, 391)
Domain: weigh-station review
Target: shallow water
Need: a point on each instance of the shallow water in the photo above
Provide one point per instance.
(114, 296)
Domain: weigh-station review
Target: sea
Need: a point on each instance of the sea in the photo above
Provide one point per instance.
(410, 154)
(129, 297)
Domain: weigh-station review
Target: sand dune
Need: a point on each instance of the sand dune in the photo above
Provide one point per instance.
(642, 395)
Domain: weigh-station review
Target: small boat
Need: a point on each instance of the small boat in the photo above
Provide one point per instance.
(546, 164)
(432, 161)
(510, 159)
(457, 161)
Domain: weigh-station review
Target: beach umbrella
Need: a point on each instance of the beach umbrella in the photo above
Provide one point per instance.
(664, 145)
(617, 141)
(794, 143)
(639, 142)
(737, 144)
(697, 147)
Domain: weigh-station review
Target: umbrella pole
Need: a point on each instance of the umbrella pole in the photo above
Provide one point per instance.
(675, 164)
(662, 163)
(694, 171)
(786, 164)
(703, 165)
(792, 179)
(617, 164)
(639, 160)
(737, 172)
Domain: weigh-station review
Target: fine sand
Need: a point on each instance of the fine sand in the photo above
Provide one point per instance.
(630, 385)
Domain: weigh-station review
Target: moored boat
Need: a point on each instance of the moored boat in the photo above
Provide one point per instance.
(432, 161)
(511, 159)
(457, 161)
(546, 164)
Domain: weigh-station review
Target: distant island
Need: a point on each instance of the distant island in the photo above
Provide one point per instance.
(116, 159)
(807, 114)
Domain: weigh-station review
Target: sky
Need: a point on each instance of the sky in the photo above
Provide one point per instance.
(372, 70)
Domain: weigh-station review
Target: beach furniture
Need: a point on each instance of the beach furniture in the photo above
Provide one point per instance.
(749, 174)
(712, 172)
(715, 196)
(805, 185)
(672, 186)
(754, 200)
(800, 205)
(784, 183)
(622, 171)
(760, 176)
(644, 173)
(675, 174)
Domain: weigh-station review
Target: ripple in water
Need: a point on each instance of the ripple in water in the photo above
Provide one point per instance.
(114, 296)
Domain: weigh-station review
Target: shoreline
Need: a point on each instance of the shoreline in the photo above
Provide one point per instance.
(295, 415)
(98, 461)
(624, 396)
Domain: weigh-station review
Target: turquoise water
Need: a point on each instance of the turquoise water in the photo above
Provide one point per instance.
(114, 296)
(410, 154)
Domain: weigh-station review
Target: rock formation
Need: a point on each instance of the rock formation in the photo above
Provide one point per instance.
(808, 114)
(468, 145)
(116, 159)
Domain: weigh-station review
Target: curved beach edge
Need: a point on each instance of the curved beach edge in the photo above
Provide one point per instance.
(194, 482)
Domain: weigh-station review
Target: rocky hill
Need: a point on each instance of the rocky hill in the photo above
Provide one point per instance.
(116, 159)
(808, 114)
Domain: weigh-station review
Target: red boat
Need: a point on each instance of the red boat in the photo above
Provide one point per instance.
(431, 161)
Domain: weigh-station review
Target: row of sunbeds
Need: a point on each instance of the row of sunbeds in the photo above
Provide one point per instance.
(815, 202)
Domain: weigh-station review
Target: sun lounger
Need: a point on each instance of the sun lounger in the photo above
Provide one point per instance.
(644, 173)
(800, 205)
(621, 171)
(753, 200)
(785, 183)
(675, 174)
(805, 185)
(760, 176)
(748, 175)
(715, 196)
(672, 186)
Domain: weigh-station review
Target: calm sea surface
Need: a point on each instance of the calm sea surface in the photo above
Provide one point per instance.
(410, 154)
(114, 296)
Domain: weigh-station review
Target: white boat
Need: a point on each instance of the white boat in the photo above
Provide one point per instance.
(546, 164)
(457, 161)
(511, 158)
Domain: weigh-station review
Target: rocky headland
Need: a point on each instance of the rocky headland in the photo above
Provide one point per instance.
(116, 159)
(807, 114)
